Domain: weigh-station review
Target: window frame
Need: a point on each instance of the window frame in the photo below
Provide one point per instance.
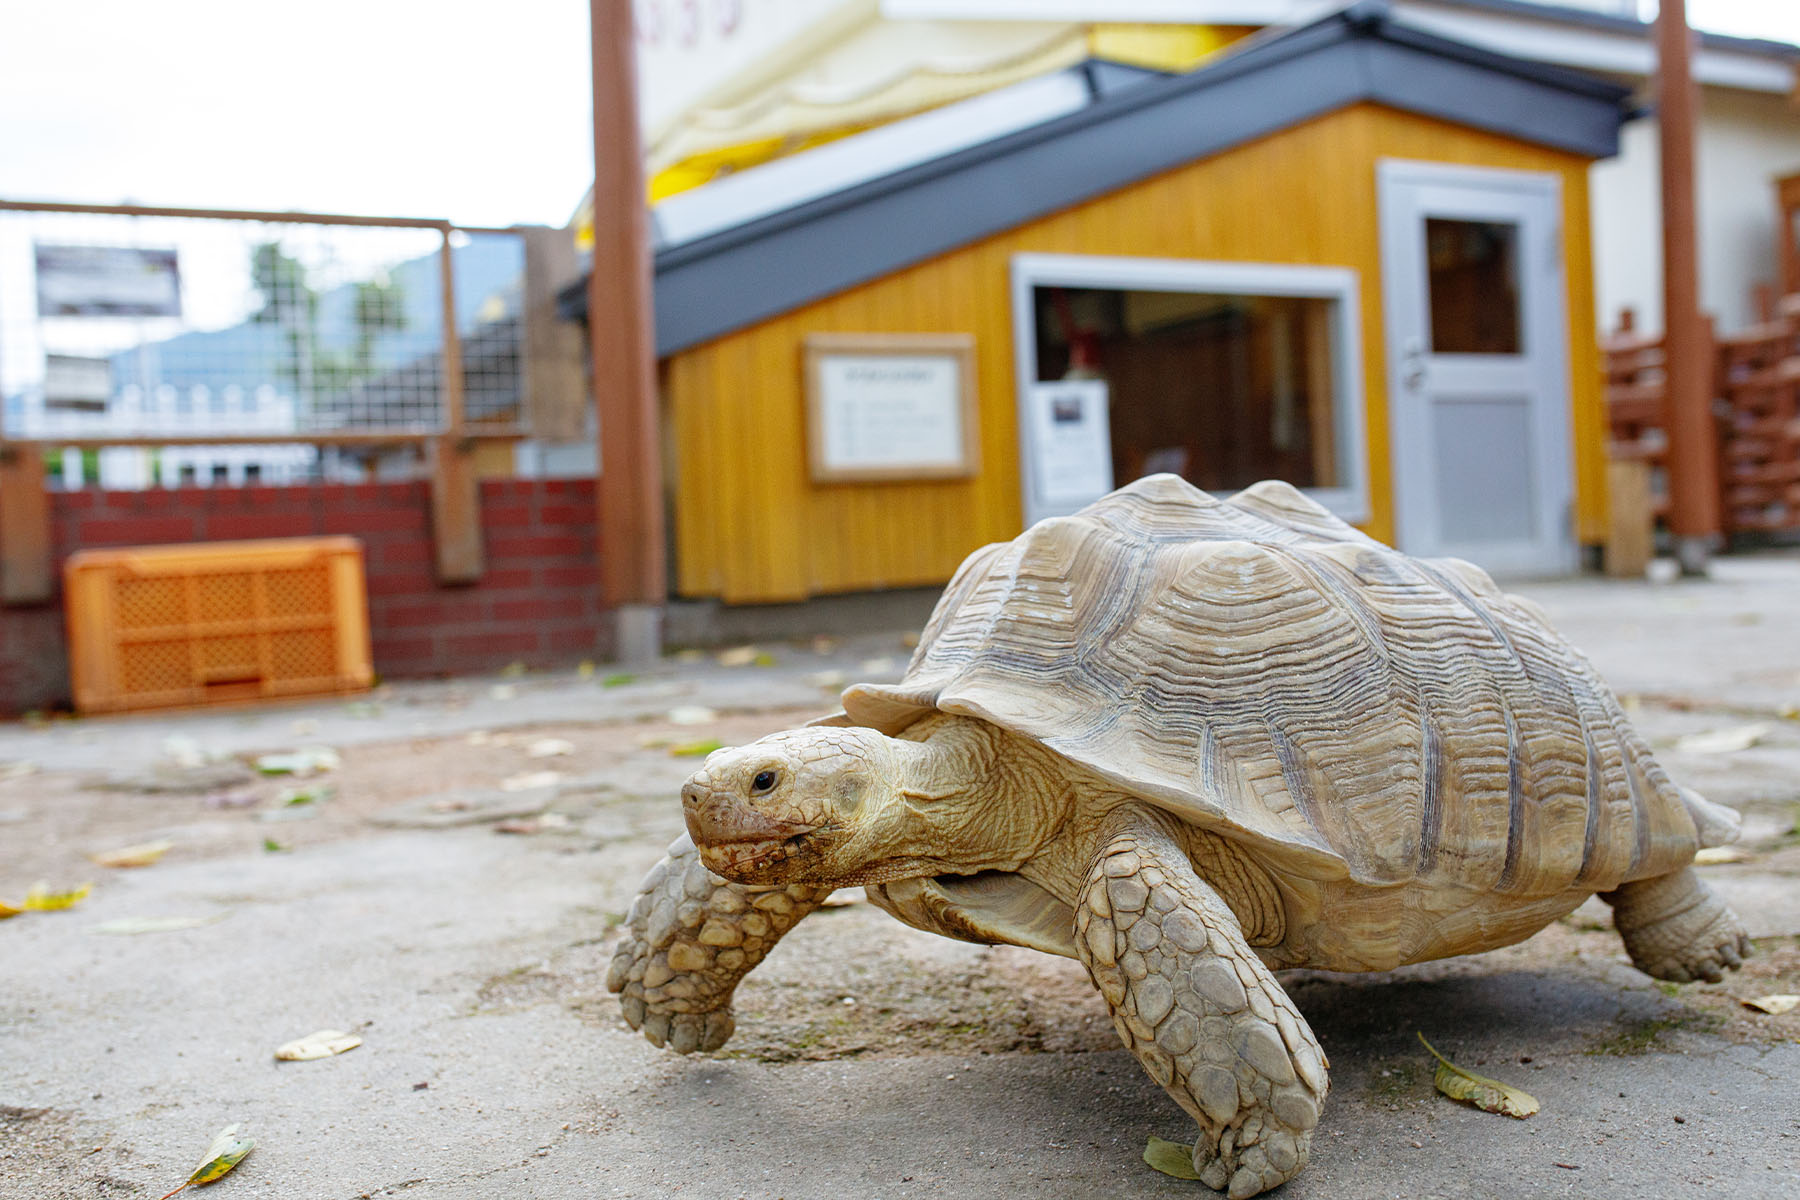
(1341, 286)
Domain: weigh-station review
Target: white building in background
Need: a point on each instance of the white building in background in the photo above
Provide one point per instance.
(729, 85)
(169, 412)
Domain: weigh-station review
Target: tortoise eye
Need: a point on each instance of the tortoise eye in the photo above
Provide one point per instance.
(764, 782)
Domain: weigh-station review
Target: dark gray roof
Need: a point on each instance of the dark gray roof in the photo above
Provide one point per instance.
(711, 286)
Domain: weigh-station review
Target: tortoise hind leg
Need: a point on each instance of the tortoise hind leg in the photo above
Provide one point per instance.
(690, 937)
(1675, 928)
(1197, 1007)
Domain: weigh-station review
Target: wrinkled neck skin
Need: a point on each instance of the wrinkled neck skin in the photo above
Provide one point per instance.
(966, 797)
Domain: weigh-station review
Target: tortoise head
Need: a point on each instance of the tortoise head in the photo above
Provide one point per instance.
(833, 805)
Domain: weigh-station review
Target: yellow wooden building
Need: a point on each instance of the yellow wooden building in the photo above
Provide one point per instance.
(1354, 256)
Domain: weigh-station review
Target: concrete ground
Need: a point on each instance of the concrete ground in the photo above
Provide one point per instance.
(455, 905)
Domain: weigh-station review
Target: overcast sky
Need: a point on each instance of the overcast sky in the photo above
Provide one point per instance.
(360, 106)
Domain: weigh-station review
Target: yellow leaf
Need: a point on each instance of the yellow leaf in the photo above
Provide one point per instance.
(322, 1044)
(7, 910)
(1171, 1158)
(227, 1151)
(696, 749)
(586, 669)
(1712, 856)
(41, 899)
(1484, 1093)
(141, 855)
(1774, 1005)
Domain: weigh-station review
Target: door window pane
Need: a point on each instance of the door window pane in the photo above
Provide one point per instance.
(1474, 281)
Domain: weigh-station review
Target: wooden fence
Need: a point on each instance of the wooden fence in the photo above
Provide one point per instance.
(1756, 405)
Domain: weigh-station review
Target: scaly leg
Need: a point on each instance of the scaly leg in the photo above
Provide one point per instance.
(1197, 1007)
(691, 936)
(1675, 928)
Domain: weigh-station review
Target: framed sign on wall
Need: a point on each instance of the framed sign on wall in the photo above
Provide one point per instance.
(890, 406)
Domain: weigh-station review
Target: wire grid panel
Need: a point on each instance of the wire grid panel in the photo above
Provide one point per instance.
(139, 326)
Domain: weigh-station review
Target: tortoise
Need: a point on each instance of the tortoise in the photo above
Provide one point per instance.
(1190, 742)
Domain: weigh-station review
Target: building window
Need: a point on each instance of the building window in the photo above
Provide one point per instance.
(1222, 373)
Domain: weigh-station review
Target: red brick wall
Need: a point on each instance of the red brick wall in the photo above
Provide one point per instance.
(538, 601)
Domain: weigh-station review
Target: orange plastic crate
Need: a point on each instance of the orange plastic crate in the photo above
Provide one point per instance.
(220, 623)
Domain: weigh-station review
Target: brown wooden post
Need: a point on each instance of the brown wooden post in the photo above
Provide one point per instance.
(1693, 450)
(556, 400)
(27, 576)
(455, 491)
(622, 348)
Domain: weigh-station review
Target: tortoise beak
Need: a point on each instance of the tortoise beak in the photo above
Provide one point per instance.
(718, 819)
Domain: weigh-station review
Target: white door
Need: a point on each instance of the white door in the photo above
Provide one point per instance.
(1478, 377)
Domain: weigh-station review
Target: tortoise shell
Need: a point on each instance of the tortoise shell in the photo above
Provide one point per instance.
(1258, 667)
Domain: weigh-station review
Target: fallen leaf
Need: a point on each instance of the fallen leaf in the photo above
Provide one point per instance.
(271, 846)
(227, 1151)
(549, 748)
(322, 1044)
(308, 760)
(141, 855)
(692, 714)
(690, 655)
(910, 640)
(7, 910)
(738, 656)
(512, 670)
(184, 751)
(1790, 712)
(618, 680)
(1712, 856)
(1171, 1158)
(317, 793)
(1722, 741)
(698, 749)
(1488, 1094)
(530, 780)
(585, 670)
(133, 925)
(1774, 1005)
(41, 899)
(764, 659)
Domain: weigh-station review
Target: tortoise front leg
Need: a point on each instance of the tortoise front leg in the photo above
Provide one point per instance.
(691, 936)
(1197, 1007)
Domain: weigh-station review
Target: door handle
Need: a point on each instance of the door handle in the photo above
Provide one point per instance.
(1412, 366)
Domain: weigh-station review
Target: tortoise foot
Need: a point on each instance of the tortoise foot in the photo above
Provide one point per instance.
(1227, 1164)
(1675, 928)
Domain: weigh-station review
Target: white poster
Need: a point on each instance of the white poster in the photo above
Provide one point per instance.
(1071, 443)
(891, 411)
(107, 281)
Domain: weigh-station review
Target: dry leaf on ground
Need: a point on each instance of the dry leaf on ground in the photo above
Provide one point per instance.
(530, 781)
(1775, 1005)
(1713, 856)
(322, 1044)
(41, 899)
(1171, 1158)
(738, 656)
(1722, 741)
(7, 910)
(308, 760)
(1484, 1093)
(227, 1151)
(140, 855)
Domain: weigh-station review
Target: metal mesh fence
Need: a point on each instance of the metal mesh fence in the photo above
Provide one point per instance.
(187, 327)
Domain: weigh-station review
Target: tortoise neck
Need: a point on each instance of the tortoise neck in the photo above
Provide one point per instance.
(984, 798)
